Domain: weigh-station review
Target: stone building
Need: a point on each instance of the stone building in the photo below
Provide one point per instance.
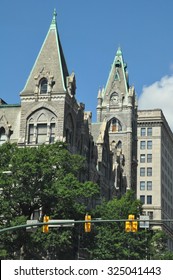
(155, 169)
(49, 112)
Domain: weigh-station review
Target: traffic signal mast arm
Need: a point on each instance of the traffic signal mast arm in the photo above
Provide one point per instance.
(66, 222)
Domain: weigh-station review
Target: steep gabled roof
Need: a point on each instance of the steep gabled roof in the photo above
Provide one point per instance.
(50, 62)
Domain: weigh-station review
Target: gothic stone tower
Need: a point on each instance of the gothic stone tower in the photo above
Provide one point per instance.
(49, 109)
(47, 96)
(117, 106)
(48, 93)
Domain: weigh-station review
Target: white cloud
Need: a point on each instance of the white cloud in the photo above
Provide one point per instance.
(159, 95)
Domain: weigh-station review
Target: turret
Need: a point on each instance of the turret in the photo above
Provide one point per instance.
(99, 105)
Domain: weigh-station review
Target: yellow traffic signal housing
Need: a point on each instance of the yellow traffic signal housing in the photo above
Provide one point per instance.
(45, 227)
(131, 217)
(127, 226)
(131, 226)
(87, 225)
(134, 227)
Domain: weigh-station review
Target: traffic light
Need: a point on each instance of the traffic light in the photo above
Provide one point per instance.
(87, 225)
(45, 227)
(134, 227)
(131, 226)
(131, 217)
(127, 226)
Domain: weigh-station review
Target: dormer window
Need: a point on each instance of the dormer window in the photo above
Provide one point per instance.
(43, 86)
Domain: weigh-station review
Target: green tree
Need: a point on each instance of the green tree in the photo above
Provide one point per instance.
(158, 246)
(110, 241)
(45, 177)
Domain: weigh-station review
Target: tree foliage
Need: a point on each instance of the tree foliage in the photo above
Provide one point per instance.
(47, 178)
(44, 178)
(111, 242)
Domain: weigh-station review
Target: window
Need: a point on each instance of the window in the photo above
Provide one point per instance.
(43, 85)
(143, 131)
(119, 145)
(52, 132)
(142, 171)
(149, 171)
(142, 158)
(150, 214)
(142, 198)
(149, 131)
(115, 125)
(142, 145)
(149, 158)
(41, 127)
(149, 185)
(149, 199)
(41, 133)
(142, 186)
(149, 145)
(30, 133)
(3, 137)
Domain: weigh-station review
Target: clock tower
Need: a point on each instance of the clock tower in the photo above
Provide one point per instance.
(117, 106)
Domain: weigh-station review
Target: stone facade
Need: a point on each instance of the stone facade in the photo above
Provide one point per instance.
(155, 168)
(49, 112)
(117, 107)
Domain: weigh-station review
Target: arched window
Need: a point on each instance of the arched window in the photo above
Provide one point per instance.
(119, 145)
(115, 125)
(113, 145)
(41, 127)
(43, 86)
(3, 137)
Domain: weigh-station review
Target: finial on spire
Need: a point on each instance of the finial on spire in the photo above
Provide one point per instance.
(119, 52)
(54, 17)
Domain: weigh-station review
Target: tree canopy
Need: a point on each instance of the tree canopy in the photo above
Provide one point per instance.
(44, 178)
(47, 178)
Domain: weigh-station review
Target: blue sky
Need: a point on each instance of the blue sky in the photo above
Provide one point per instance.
(90, 32)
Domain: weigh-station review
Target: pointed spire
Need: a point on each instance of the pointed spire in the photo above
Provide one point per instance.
(117, 80)
(99, 93)
(50, 63)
